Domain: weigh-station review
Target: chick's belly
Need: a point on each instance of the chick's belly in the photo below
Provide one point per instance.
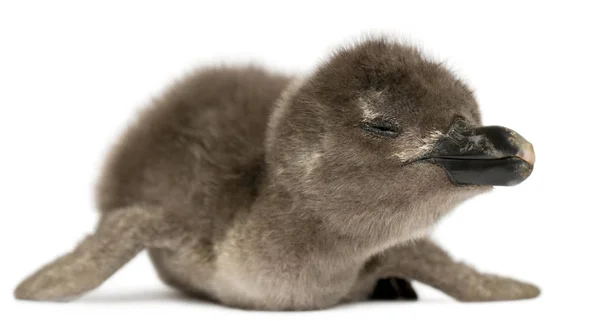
(269, 286)
(189, 270)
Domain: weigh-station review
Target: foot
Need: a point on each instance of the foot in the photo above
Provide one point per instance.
(393, 289)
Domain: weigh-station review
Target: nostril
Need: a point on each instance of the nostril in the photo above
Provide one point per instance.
(526, 153)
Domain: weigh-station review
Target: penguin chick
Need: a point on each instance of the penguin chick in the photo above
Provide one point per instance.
(260, 191)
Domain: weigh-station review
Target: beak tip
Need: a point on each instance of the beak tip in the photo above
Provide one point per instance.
(527, 153)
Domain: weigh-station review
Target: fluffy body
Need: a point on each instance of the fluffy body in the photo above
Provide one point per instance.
(259, 191)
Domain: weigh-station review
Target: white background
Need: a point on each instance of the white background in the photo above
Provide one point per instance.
(73, 74)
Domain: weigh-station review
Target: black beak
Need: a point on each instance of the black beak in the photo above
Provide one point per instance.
(490, 155)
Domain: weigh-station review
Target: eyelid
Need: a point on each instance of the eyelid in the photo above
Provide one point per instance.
(381, 127)
(385, 122)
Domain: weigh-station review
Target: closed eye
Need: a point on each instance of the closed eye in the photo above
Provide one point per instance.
(382, 128)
